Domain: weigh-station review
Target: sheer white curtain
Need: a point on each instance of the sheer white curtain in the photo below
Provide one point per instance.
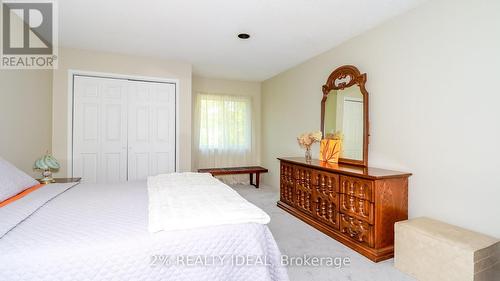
(223, 132)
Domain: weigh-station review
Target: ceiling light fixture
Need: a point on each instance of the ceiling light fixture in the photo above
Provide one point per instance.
(244, 36)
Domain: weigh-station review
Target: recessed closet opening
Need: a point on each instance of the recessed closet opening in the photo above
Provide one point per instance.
(122, 128)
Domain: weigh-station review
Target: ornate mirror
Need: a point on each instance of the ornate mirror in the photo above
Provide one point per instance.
(344, 113)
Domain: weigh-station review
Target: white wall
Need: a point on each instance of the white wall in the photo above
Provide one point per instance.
(233, 87)
(433, 106)
(72, 59)
(25, 116)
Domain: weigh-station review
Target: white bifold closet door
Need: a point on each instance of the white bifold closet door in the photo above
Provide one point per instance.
(151, 129)
(100, 129)
(122, 129)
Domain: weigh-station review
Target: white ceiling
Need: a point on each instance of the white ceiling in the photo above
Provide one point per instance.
(203, 32)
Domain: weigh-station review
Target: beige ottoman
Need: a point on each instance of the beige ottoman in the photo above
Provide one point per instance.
(432, 250)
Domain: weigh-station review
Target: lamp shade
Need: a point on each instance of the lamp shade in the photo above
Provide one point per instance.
(47, 162)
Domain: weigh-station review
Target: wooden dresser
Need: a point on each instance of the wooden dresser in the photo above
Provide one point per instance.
(356, 206)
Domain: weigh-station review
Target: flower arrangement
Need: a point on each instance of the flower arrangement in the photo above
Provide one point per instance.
(306, 140)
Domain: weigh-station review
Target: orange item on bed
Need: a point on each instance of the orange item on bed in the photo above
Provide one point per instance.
(20, 195)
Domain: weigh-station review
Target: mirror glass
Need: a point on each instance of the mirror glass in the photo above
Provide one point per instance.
(344, 118)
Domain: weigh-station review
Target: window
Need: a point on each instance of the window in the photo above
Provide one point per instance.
(224, 122)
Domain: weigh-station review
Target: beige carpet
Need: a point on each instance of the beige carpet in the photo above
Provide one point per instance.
(295, 238)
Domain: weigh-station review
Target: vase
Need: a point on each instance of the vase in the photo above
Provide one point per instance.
(329, 150)
(308, 154)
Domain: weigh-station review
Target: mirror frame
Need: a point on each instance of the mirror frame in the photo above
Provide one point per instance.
(356, 78)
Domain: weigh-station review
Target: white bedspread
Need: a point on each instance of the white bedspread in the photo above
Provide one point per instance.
(100, 232)
(191, 200)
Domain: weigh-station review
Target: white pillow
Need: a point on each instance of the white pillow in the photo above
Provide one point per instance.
(13, 180)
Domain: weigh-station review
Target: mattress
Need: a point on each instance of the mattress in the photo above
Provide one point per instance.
(99, 232)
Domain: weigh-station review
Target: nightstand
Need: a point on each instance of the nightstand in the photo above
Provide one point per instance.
(65, 180)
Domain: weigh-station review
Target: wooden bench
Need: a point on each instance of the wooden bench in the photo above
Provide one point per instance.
(236, 171)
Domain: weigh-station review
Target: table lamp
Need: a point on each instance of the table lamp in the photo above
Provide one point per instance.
(47, 164)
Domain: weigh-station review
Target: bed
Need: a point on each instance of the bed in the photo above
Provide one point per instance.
(100, 232)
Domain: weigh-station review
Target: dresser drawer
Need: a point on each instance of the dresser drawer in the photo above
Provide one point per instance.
(360, 188)
(356, 207)
(302, 175)
(326, 207)
(326, 197)
(357, 230)
(327, 211)
(287, 184)
(303, 189)
(325, 182)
